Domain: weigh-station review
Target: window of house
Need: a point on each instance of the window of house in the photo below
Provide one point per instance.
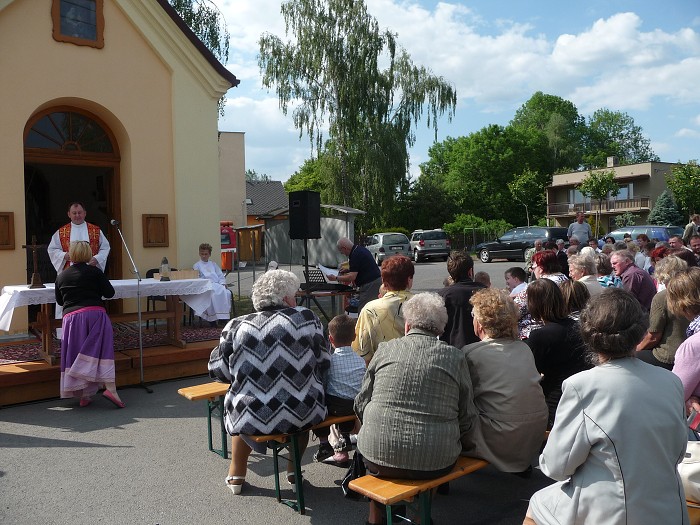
(576, 197)
(79, 22)
(625, 192)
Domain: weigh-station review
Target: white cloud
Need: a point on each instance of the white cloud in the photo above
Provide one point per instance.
(496, 65)
(687, 133)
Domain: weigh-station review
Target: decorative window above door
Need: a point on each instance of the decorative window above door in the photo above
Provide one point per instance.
(68, 131)
(79, 22)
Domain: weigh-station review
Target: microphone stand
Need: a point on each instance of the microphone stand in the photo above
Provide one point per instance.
(135, 271)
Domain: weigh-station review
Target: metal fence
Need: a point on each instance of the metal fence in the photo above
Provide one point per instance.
(470, 237)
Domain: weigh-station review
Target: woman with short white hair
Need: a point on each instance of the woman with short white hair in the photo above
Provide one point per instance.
(582, 268)
(283, 344)
(416, 400)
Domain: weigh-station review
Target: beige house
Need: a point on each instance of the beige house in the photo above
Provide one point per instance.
(232, 185)
(640, 186)
(112, 103)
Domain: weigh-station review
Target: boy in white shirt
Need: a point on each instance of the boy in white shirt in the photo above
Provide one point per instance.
(343, 383)
(220, 306)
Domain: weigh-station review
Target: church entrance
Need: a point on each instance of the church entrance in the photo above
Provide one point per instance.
(70, 155)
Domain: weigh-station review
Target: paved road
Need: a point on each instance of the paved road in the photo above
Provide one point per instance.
(429, 275)
(148, 464)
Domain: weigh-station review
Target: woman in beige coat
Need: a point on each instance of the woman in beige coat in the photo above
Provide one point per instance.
(507, 394)
(620, 431)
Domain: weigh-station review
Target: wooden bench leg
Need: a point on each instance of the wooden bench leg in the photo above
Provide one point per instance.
(215, 407)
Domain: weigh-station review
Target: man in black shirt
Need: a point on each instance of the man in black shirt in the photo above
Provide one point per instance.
(363, 271)
(459, 330)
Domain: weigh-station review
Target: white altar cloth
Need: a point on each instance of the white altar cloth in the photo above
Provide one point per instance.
(196, 293)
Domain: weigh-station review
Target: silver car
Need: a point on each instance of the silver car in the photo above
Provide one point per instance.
(383, 245)
(430, 244)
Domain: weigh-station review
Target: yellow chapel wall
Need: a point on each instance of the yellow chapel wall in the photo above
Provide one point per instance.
(160, 106)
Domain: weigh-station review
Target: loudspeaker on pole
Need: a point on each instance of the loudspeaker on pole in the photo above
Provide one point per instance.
(304, 215)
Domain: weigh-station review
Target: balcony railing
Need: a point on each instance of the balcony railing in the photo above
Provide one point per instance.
(609, 206)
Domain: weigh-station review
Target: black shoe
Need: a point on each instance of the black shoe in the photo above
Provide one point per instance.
(325, 450)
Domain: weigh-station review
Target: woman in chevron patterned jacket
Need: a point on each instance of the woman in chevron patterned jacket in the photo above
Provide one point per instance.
(276, 360)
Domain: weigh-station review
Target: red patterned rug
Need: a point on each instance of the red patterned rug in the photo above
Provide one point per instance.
(126, 336)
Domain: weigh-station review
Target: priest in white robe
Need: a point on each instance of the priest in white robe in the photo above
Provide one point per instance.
(77, 230)
(220, 306)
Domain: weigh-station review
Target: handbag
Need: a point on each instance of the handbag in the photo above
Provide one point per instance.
(689, 470)
(356, 470)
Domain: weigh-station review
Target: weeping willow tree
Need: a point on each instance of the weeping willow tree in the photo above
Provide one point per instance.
(339, 71)
(207, 22)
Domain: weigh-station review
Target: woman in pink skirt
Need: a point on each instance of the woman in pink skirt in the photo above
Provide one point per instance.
(87, 348)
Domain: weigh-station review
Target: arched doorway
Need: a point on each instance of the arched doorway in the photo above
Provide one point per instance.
(70, 155)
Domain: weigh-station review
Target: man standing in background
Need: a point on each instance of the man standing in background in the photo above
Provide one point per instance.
(691, 228)
(580, 229)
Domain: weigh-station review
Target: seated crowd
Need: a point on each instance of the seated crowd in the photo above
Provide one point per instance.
(472, 369)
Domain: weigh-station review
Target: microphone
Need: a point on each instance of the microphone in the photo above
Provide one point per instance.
(114, 222)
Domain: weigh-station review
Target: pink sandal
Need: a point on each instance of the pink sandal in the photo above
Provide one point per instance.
(110, 396)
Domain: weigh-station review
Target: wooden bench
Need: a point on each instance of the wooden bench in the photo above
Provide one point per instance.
(693, 512)
(290, 444)
(214, 393)
(394, 491)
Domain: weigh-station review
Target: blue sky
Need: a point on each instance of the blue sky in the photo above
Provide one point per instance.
(641, 57)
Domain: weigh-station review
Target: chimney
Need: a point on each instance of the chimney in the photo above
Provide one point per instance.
(613, 161)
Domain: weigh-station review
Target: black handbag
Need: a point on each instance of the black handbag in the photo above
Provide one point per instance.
(356, 470)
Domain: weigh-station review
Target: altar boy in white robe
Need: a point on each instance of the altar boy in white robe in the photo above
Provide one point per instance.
(220, 306)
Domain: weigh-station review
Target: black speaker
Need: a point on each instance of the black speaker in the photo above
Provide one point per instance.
(304, 215)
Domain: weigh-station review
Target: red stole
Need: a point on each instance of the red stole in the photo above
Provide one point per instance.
(93, 238)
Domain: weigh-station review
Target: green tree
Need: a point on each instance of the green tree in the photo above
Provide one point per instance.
(614, 133)
(665, 211)
(351, 76)
(599, 186)
(425, 205)
(684, 182)
(559, 122)
(309, 177)
(626, 219)
(527, 189)
(254, 176)
(474, 171)
(207, 22)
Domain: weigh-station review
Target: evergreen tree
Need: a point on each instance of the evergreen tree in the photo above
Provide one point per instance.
(665, 211)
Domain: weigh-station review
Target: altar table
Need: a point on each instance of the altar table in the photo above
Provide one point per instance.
(196, 293)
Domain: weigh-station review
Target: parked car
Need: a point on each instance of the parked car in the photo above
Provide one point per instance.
(513, 243)
(654, 232)
(383, 245)
(426, 244)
